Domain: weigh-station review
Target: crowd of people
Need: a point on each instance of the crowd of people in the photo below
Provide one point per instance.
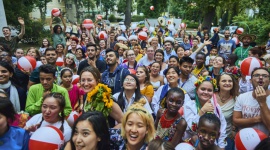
(173, 88)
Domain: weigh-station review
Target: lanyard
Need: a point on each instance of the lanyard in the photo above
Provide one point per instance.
(184, 82)
(244, 52)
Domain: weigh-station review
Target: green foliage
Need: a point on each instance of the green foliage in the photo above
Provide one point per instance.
(136, 18)
(112, 18)
(259, 27)
(159, 7)
(191, 24)
(56, 20)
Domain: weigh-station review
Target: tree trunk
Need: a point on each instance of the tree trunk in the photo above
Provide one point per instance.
(208, 17)
(128, 13)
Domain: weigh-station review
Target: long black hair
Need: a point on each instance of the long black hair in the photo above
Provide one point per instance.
(138, 95)
(7, 109)
(99, 124)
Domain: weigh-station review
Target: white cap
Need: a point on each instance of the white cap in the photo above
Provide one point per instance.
(170, 39)
(133, 37)
(121, 38)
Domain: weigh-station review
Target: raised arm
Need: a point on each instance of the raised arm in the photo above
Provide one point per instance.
(64, 23)
(21, 21)
(51, 28)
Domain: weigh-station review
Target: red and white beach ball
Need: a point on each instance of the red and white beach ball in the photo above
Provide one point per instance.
(88, 23)
(239, 31)
(59, 61)
(99, 17)
(236, 40)
(249, 64)
(27, 63)
(183, 25)
(75, 79)
(72, 117)
(46, 138)
(152, 7)
(248, 138)
(102, 35)
(142, 35)
(184, 146)
(56, 12)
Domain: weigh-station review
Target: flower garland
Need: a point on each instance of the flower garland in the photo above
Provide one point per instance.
(99, 99)
(201, 79)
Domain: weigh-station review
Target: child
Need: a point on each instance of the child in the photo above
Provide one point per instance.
(170, 124)
(213, 52)
(207, 132)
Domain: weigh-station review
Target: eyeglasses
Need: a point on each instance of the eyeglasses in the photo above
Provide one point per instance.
(129, 80)
(259, 75)
(130, 55)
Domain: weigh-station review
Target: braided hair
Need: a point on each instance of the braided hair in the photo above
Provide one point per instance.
(61, 102)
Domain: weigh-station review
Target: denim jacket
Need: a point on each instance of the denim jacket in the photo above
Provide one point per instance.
(119, 75)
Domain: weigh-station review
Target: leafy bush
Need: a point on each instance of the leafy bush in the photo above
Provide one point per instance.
(137, 18)
(119, 19)
(191, 24)
(256, 26)
(112, 18)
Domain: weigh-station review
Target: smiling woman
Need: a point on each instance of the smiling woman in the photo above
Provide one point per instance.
(204, 102)
(52, 106)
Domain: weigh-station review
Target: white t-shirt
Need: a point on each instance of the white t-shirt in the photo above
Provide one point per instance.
(250, 108)
(145, 61)
(37, 119)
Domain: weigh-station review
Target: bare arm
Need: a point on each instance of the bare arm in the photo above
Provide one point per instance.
(261, 95)
(64, 23)
(159, 113)
(51, 28)
(117, 114)
(241, 122)
(180, 130)
(21, 21)
(91, 39)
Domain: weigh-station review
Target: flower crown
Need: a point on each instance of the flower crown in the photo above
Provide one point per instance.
(99, 99)
(206, 78)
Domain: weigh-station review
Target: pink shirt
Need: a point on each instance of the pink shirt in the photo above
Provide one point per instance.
(74, 95)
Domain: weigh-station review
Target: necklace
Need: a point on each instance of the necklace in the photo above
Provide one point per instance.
(223, 100)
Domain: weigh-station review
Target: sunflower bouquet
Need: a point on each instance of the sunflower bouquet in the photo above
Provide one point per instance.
(206, 78)
(99, 99)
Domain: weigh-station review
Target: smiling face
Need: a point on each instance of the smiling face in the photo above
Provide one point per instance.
(45, 42)
(51, 57)
(208, 132)
(173, 63)
(129, 83)
(180, 52)
(84, 137)
(69, 60)
(260, 78)
(32, 52)
(111, 59)
(88, 81)
(172, 76)
(159, 57)
(200, 60)
(59, 48)
(6, 32)
(167, 46)
(225, 83)
(136, 130)
(19, 53)
(150, 52)
(218, 62)
(50, 110)
(205, 91)
(174, 101)
(4, 75)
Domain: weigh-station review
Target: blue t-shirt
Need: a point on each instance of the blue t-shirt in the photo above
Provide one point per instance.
(15, 139)
(225, 47)
(186, 46)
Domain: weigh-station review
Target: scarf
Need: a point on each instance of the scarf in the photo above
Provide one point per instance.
(13, 95)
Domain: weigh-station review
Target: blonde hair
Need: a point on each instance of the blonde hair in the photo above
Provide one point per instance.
(147, 118)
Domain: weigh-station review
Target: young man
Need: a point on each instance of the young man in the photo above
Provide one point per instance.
(226, 46)
(186, 79)
(168, 48)
(149, 58)
(252, 108)
(12, 42)
(91, 51)
(51, 57)
(115, 74)
(199, 66)
(46, 86)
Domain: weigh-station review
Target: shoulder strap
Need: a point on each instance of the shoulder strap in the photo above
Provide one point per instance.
(121, 75)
